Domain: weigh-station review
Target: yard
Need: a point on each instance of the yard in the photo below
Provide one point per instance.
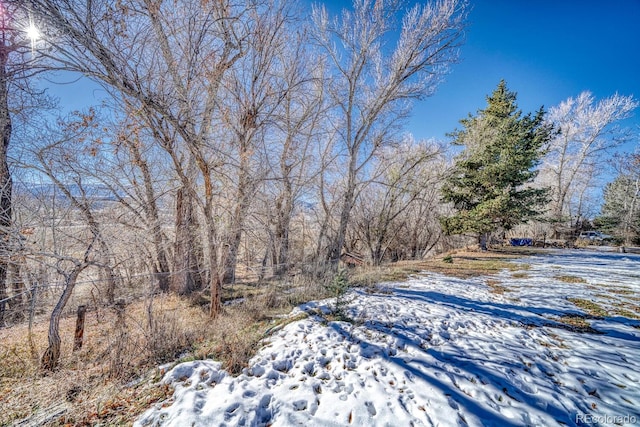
(552, 340)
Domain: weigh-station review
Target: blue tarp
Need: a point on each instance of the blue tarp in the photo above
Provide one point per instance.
(522, 242)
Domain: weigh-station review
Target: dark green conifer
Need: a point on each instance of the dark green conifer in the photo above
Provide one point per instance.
(489, 184)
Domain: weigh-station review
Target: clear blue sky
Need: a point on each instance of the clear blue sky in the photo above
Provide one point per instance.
(546, 50)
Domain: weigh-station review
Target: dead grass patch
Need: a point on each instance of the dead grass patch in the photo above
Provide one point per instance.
(461, 264)
(369, 276)
(570, 279)
(591, 307)
(626, 313)
(577, 324)
(464, 266)
(621, 291)
(496, 288)
(113, 353)
(520, 275)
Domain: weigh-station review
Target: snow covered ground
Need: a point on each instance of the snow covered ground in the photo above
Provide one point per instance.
(439, 351)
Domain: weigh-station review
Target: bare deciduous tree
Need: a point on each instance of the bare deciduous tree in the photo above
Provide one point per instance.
(371, 86)
(170, 61)
(400, 180)
(17, 67)
(621, 209)
(251, 100)
(586, 131)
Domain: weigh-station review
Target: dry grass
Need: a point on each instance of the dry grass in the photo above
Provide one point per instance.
(465, 264)
(461, 264)
(368, 276)
(113, 353)
(114, 377)
(577, 324)
(496, 288)
(570, 279)
(590, 307)
(621, 291)
(611, 302)
(623, 312)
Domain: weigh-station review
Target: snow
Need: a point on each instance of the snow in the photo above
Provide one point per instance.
(438, 351)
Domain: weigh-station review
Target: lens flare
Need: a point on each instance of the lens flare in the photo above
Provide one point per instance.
(32, 32)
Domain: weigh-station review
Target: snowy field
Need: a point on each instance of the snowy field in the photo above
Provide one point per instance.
(440, 351)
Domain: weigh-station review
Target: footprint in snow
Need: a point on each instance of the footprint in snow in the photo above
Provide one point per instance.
(300, 405)
(324, 361)
(231, 410)
(371, 408)
(265, 401)
(324, 376)
(309, 369)
(282, 365)
(452, 403)
(199, 404)
(409, 376)
(273, 375)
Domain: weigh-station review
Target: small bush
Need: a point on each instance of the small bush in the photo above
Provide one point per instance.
(338, 288)
(235, 349)
(448, 259)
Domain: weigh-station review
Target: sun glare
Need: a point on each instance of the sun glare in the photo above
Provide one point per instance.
(32, 32)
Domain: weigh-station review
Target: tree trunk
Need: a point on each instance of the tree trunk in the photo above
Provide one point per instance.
(482, 241)
(231, 260)
(161, 266)
(282, 244)
(244, 193)
(284, 212)
(378, 254)
(51, 356)
(18, 288)
(215, 282)
(107, 275)
(6, 183)
(186, 275)
(337, 243)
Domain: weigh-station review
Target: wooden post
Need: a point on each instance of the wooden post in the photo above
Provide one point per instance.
(82, 309)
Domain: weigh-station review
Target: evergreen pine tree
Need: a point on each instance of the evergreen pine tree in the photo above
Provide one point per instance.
(488, 186)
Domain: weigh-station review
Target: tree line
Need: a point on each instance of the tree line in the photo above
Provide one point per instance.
(261, 135)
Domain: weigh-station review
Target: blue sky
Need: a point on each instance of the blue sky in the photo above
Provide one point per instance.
(546, 50)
